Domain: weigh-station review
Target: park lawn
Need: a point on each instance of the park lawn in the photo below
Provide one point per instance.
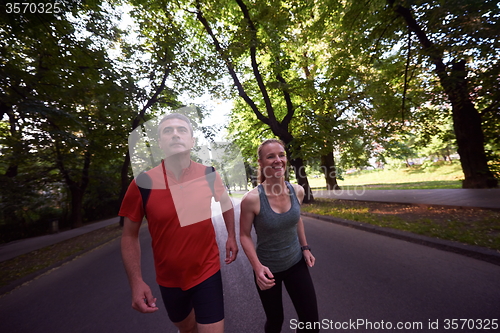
(418, 185)
(440, 175)
(237, 195)
(469, 226)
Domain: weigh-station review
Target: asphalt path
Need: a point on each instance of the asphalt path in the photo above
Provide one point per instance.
(361, 279)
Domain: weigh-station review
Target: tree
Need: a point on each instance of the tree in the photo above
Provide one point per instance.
(62, 96)
(161, 55)
(256, 41)
(457, 31)
(329, 82)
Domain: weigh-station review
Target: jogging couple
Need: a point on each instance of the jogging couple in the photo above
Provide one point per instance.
(175, 197)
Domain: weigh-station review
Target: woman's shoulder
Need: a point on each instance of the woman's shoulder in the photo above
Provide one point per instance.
(251, 198)
(299, 191)
(297, 188)
(251, 195)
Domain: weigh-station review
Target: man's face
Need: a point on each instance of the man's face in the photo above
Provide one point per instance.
(175, 137)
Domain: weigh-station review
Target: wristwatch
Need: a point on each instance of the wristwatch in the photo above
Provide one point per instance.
(305, 247)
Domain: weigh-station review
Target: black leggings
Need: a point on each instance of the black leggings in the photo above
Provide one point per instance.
(299, 285)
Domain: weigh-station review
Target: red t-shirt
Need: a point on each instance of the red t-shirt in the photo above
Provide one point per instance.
(185, 254)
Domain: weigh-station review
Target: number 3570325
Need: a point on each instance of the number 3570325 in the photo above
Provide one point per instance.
(33, 8)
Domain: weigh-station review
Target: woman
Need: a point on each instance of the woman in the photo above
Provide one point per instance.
(282, 254)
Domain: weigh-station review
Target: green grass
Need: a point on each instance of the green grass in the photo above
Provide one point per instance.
(474, 227)
(423, 185)
(439, 175)
(32, 262)
(237, 195)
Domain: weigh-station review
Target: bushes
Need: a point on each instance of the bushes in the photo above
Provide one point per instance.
(28, 206)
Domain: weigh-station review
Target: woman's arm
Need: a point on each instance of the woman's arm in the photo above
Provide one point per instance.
(265, 278)
(308, 257)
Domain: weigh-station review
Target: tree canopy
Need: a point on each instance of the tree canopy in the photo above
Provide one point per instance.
(342, 83)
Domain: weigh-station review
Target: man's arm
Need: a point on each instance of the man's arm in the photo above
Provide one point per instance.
(228, 216)
(142, 298)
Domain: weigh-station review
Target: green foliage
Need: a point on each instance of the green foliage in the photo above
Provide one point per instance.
(342, 76)
(63, 107)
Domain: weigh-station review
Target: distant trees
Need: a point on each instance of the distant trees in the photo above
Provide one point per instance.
(257, 48)
(363, 80)
(318, 74)
(63, 104)
(376, 67)
(452, 34)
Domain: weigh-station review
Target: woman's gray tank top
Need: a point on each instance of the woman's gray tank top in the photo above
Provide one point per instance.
(278, 245)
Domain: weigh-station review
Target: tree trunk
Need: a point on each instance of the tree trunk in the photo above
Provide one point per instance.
(135, 122)
(300, 175)
(468, 131)
(280, 130)
(16, 148)
(466, 119)
(330, 171)
(124, 181)
(76, 188)
(76, 216)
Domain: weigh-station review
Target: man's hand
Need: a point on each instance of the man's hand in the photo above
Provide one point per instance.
(143, 300)
(231, 250)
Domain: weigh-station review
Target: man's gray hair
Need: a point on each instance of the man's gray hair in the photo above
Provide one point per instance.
(176, 115)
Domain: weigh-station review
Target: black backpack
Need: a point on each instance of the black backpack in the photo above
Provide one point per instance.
(144, 183)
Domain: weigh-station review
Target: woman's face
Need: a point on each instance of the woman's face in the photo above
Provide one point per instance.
(273, 160)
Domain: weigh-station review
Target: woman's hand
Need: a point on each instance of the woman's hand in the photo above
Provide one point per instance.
(265, 279)
(309, 258)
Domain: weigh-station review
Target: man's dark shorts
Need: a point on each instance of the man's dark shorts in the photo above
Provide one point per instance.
(205, 298)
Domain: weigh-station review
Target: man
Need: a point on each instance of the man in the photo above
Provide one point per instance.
(185, 252)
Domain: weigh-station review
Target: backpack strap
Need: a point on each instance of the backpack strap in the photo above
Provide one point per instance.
(144, 184)
(210, 175)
